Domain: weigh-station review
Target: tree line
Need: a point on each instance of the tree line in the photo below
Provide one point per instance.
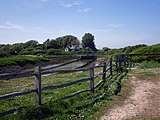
(50, 46)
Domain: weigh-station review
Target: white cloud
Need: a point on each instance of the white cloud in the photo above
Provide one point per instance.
(69, 4)
(116, 25)
(84, 10)
(9, 25)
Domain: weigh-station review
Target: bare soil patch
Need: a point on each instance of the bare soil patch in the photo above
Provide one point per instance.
(143, 100)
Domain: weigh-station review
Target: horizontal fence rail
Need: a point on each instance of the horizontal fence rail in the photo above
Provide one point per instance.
(12, 111)
(64, 71)
(16, 75)
(47, 68)
(16, 94)
(38, 72)
(65, 85)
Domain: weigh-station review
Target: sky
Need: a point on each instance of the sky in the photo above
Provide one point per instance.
(113, 23)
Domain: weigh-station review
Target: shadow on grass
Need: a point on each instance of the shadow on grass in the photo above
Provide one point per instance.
(78, 107)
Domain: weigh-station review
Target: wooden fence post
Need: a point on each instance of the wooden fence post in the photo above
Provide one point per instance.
(110, 66)
(125, 61)
(92, 77)
(117, 64)
(37, 72)
(104, 72)
(120, 65)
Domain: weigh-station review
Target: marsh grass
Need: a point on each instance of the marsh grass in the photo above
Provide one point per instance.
(21, 60)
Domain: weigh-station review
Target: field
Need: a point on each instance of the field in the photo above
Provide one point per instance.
(83, 106)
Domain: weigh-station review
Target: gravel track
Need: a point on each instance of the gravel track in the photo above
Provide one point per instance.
(144, 101)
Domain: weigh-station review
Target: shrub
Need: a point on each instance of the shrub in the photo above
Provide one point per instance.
(149, 64)
(55, 52)
(152, 51)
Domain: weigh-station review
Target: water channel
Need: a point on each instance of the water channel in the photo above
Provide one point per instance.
(70, 65)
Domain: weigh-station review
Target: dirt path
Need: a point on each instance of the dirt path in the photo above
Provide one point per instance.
(143, 101)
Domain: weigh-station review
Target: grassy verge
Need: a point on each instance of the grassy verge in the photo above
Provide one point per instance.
(116, 99)
(149, 64)
(21, 60)
(83, 106)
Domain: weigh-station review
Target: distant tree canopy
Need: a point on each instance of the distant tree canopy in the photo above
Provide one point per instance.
(48, 44)
(88, 41)
(69, 41)
(105, 48)
(64, 42)
(31, 44)
(32, 47)
(16, 48)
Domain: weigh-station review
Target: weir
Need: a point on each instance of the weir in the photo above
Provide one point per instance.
(87, 57)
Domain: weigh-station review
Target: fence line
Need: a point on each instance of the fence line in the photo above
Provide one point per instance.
(16, 75)
(38, 73)
(65, 85)
(2, 97)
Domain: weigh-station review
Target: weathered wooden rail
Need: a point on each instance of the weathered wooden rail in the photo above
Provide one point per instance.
(107, 67)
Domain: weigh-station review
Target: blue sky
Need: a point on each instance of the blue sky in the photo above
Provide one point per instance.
(114, 23)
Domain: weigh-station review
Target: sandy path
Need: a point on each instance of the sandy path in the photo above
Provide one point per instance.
(144, 100)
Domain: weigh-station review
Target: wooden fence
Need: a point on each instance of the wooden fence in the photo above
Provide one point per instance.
(107, 67)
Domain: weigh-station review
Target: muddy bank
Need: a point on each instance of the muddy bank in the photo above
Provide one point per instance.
(27, 67)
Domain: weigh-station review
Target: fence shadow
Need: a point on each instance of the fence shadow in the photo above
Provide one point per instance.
(94, 95)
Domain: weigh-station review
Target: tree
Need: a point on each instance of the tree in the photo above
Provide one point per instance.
(69, 41)
(4, 50)
(88, 41)
(105, 48)
(59, 41)
(48, 44)
(64, 42)
(31, 44)
(16, 48)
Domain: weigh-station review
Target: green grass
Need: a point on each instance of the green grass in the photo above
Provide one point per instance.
(149, 64)
(21, 60)
(83, 106)
(154, 50)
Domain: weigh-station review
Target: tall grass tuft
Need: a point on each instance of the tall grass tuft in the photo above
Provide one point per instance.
(149, 64)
